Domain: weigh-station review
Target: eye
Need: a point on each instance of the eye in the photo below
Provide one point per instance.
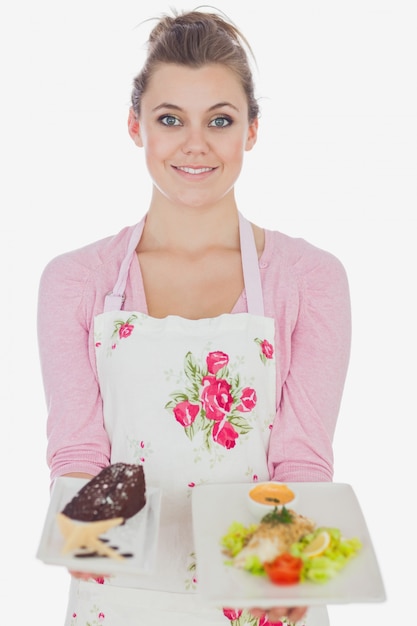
(169, 120)
(221, 122)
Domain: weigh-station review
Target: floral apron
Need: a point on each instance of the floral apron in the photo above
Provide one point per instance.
(193, 401)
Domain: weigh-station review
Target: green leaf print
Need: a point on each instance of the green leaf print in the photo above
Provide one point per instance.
(192, 369)
(177, 397)
(240, 423)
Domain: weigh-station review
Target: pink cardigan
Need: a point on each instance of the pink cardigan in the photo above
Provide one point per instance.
(305, 289)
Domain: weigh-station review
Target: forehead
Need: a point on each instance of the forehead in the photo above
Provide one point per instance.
(186, 86)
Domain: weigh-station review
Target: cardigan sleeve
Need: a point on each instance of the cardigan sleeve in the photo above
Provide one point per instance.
(77, 441)
(316, 346)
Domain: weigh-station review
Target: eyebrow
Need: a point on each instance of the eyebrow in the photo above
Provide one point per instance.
(175, 107)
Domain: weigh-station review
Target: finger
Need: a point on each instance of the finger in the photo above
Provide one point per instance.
(86, 575)
(80, 575)
(291, 613)
(272, 615)
(256, 612)
(277, 613)
(297, 613)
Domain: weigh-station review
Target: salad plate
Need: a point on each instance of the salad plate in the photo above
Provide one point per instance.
(136, 538)
(216, 506)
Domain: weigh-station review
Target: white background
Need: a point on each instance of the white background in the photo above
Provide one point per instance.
(335, 163)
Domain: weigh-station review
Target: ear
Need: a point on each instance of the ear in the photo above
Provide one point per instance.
(252, 134)
(133, 126)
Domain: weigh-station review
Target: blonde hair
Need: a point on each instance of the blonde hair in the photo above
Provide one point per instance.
(195, 39)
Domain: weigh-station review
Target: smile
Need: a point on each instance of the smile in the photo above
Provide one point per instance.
(195, 170)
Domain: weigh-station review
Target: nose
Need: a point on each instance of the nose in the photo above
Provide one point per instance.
(195, 141)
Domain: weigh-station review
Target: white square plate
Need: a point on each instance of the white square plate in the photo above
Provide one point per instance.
(137, 536)
(215, 507)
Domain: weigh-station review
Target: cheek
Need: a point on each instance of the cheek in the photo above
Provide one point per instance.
(161, 148)
(152, 146)
(233, 151)
(156, 153)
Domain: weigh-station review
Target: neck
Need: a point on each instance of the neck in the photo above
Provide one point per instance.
(191, 229)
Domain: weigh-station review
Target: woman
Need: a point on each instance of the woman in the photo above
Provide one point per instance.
(193, 282)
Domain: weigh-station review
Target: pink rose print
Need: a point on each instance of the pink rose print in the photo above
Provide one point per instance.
(101, 616)
(215, 361)
(247, 400)
(224, 434)
(216, 397)
(267, 350)
(99, 580)
(232, 614)
(125, 330)
(212, 401)
(185, 412)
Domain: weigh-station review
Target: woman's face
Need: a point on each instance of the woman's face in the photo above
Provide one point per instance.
(194, 128)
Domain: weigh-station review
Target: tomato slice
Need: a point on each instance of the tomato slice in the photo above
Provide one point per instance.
(285, 569)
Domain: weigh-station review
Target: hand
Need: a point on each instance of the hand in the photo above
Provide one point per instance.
(99, 578)
(275, 614)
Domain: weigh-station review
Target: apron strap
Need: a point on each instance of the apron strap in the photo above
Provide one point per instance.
(114, 300)
(250, 264)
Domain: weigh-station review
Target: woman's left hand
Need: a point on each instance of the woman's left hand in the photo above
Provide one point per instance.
(88, 576)
(275, 614)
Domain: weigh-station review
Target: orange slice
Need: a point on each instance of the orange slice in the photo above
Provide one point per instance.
(318, 545)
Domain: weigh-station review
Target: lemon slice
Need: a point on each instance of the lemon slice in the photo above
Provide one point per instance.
(318, 545)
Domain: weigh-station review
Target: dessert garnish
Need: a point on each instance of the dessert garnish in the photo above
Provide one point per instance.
(87, 535)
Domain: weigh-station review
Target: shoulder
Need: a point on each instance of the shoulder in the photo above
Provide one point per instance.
(304, 260)
(93, 255)
(97, 262)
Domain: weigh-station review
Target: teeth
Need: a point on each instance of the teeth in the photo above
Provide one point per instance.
(191, 170)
